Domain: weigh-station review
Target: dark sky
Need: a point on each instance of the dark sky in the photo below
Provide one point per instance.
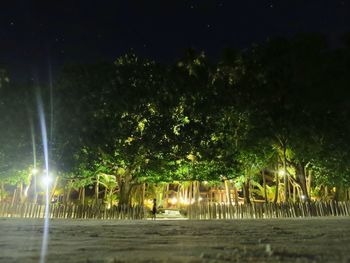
(34, 32)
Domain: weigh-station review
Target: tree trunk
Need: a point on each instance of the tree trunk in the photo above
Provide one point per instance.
(143, 191)
(190, 193)
(246, 192)
(2, 191)
(196, 191)
(336, 193)
(110, 198)
(294, 193)
(35, 198)
(339, 193)
(308, 184)
(14, 197)
(124, 193)
(299, 192)
(264, 185)
(236, 193)
(180, 195)
(285, 172)
(97, 186)
(26, 189)
(228, 191)
(53, 190)
(125, 187)
(165, 195)
(277, 187)
(326, 193)
(160, 196)
(67, 195)
(185, 193)
(300, 173)
(21, 193)
(83, 195)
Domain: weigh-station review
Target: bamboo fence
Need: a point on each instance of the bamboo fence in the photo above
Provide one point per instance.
(196, 211)
(72, 211)
(268, 210)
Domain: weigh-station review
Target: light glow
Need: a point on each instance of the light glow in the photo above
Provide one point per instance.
(173, 201)
(186, 201)
(46, 180)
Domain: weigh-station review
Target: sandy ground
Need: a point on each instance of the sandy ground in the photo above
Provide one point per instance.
(284, 240)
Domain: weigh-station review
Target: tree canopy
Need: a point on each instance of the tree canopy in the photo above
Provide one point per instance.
(281, 105)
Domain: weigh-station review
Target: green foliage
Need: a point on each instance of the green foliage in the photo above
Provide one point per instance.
(260, 191)
(283, 103)
(15, 142)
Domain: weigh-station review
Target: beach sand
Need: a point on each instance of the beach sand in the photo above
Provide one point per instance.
(267, 240)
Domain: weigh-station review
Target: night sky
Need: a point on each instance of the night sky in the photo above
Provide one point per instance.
(35, 33)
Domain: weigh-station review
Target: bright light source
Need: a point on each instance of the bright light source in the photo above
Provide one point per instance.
(173, 201)
(205, 182)
(46, 180)
(34, 171)
(281, 172)
(303, 197)
(184, 201)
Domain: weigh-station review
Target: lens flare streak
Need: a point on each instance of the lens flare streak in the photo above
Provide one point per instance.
(46, 156)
